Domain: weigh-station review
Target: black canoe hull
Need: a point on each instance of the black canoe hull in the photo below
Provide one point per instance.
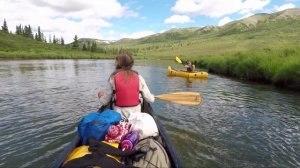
(174, 159)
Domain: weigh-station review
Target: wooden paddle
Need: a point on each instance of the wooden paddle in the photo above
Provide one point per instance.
(185, 98)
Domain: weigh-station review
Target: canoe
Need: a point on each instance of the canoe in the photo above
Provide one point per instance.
(174, 159)
(172, 72)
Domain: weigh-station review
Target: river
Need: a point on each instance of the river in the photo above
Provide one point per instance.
(238, 124)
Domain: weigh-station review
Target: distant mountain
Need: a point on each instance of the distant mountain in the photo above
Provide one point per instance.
(246, 24)
(262, 18)
(261, 21)
(98, 41)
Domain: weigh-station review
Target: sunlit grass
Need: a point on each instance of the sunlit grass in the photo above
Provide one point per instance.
(281, 67)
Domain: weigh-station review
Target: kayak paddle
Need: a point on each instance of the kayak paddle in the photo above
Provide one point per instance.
(185, 98)
(178, 60)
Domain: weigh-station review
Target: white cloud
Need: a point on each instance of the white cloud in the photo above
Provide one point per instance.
(216, 8)
(178, 19)
(63, 17)
(224, 21)
(137, 35)
(285, 6)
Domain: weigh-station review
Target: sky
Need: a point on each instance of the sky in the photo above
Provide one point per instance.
(116, 19)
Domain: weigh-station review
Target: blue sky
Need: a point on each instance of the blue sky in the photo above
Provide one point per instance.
(116, 19)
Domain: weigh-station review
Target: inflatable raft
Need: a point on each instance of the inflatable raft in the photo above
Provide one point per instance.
(172, 72)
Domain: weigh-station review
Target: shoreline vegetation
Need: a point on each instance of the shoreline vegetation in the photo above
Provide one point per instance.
(278, 67)
(53, 55)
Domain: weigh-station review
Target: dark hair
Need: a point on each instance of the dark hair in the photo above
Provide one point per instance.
(124, 62)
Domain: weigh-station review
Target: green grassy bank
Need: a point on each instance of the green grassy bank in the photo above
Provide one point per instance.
(53, 55)
(280, 67)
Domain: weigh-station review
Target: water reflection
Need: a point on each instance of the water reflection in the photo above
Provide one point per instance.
(190, 82)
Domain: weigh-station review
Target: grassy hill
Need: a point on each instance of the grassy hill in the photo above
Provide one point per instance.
(257, 32)
(18, 47)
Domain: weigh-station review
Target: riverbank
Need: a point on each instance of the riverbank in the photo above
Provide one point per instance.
(280, 67)
(53, 55)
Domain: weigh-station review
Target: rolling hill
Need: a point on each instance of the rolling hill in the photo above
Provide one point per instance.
(257, 32)
(260, 31)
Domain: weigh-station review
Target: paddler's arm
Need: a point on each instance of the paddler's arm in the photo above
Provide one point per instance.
(148, 96)
(106, 95)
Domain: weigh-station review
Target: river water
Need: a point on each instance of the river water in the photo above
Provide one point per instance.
(238, 124)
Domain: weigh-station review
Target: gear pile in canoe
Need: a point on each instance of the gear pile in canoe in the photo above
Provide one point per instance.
(115, 150)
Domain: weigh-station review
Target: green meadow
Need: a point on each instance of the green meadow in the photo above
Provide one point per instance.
(18, 47)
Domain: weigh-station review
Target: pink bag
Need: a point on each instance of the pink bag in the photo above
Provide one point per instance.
(117, 132)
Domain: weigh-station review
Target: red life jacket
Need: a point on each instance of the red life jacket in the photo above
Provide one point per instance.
(127, 92)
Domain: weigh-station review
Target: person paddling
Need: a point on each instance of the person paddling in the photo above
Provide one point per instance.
(126, 87)
(189, 66)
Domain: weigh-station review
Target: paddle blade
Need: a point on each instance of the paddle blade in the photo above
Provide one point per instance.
(185, 98)
(178, 60)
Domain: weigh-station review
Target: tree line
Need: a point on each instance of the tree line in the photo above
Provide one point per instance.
(85, 47)
(26, 31)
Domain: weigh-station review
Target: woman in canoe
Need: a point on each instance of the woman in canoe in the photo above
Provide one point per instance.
(127, 88)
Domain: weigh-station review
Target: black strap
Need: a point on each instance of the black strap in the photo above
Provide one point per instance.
(103, 148)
